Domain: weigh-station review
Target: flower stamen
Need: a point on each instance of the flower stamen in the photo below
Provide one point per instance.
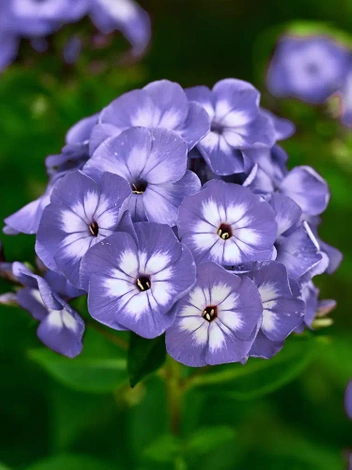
(225, 231)
(143, 283)
(210, 313)
(94, 229)
(139, 187)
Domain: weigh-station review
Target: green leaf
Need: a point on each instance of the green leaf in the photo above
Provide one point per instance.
(4, 467)
(209, 438)
(164, 449)
(69, 415)
(309, 28)
(145, 356)
(259, 377)
(101, 367)
(71, 462)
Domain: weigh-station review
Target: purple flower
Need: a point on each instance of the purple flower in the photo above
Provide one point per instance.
(282, 311)
(61, 328)
(76, 151)
(306, 187)
(59, 284)
(283, 127)
(9, 42)
(228, 224)
(33, 19)
(154, 162)
(217, 321)
(160, 104)
(296, 246)
(314, 308)
(74, 155)
(348, 400)
(268, 170)
(346, 98)
(30, 18)
(27, 219)
(125, 16)
(72, 49)
(80, 214)
(136, 278)
(308, 68)
(237, 123)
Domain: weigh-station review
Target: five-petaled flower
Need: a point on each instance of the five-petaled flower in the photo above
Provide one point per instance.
(81, 213)
(154, 162)
(228, 224)
(217, 321)
(134, 278)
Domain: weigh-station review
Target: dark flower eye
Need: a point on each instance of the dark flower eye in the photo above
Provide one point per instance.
(139, 187)
(143, 283)
(225, 231)
(94, 229)
(210, 313)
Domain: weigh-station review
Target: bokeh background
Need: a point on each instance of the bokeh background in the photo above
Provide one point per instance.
(299, 423)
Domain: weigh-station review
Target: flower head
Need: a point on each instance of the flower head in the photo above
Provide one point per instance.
(154, 162)
(80, 214)
(125, 16)
(308, 68)
(134, 279)
(217, 321)
(228, 224)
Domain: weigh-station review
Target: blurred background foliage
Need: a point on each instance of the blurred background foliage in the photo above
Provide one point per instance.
(285, 414)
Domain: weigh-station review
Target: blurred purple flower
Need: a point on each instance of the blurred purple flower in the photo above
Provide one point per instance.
(308, 68)
(348, 400)
(34, 20)
(346, 98)
(125, 16)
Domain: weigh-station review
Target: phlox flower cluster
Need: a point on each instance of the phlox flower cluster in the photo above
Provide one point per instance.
(312, 69)
(174, 211)
(35, 20)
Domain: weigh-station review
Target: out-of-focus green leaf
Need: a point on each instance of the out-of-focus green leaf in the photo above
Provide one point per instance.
(164, 449)
(70, 418)
(4, 467)
(259, 376)
(148, 420)
(100, 368)
(208, 438)
(144, 357)
(294, 452)
(71, 462)
(311, 28)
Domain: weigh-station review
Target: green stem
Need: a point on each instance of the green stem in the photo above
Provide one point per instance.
(174, 387)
